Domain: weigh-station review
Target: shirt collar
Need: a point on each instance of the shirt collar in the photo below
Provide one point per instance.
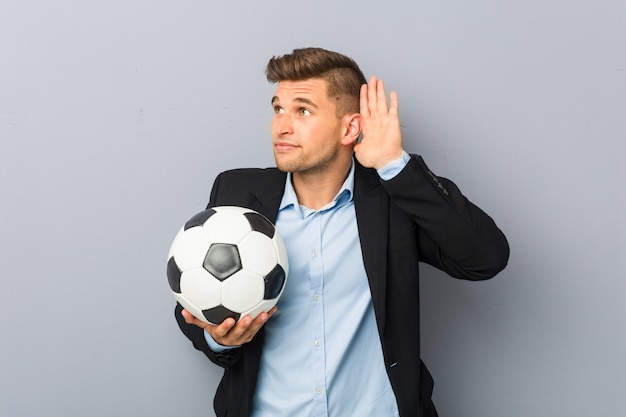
(344, 196)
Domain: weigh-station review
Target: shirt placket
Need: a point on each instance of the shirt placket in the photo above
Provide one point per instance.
(317, 315)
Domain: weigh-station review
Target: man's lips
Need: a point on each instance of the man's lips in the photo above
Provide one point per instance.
(284, 146)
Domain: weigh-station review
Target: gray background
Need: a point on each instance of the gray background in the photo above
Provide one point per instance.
(115, 117)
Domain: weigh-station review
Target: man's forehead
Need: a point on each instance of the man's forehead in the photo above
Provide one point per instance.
(301, 89)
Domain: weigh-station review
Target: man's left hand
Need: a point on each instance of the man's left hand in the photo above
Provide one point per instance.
(382, 140)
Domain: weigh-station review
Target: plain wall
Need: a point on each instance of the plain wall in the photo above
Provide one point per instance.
(115, 116)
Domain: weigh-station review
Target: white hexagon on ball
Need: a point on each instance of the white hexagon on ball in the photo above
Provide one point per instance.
(242, 291)
(189, 248)
(200, 288)
(227, 226)
(196, 312)
(258, 253)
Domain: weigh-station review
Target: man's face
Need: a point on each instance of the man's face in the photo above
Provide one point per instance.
(306, 132)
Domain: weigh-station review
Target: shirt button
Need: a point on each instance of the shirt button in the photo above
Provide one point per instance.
(319, 391)
(316, 297)
(317, 343)
(314, 254)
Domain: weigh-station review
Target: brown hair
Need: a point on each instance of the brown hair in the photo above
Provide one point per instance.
(342, 74)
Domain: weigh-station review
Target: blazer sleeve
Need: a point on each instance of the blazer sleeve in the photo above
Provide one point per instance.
(454, 235)
(196, 335)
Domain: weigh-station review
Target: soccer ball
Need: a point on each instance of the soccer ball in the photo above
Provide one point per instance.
(225, 262)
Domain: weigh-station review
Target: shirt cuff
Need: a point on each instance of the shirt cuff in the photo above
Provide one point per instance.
(393, 168)
(214, 346)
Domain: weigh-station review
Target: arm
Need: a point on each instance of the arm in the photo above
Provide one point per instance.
(454, 234)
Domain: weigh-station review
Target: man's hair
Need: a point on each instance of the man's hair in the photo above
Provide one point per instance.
(342, 74)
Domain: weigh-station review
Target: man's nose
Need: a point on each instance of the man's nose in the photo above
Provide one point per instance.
(284, 125)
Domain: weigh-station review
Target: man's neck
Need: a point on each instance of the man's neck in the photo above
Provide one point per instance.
(315, 190)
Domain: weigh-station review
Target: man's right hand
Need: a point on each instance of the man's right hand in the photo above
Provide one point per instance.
(229, 332)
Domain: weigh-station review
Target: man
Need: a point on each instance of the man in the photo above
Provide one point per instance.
(357, 214)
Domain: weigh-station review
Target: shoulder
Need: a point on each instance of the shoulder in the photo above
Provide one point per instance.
(248, 187)
(252, 175)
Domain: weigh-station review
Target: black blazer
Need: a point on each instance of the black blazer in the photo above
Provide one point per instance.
(414, 217)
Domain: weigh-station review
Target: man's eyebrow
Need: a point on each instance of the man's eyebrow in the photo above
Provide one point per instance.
(305, 101)
(302, 100)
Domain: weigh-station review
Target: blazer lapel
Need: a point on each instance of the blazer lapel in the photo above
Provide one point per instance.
(266, 199)
(371, 204)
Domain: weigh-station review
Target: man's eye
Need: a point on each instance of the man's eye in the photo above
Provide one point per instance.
(278, 110)
(305, 112)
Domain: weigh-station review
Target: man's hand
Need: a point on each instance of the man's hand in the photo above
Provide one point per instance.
(382, 139)
(229, 332)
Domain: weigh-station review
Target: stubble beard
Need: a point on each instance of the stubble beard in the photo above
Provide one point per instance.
(303, 167)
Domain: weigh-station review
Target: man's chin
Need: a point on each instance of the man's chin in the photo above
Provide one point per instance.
(285, 166)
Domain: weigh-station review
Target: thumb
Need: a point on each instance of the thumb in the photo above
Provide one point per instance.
(190, 319)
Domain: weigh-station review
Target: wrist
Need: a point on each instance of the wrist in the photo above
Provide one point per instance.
(389, 159)
(393, 167)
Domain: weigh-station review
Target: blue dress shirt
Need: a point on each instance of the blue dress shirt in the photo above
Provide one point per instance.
(322, 355)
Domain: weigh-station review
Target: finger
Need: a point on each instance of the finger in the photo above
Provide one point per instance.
(381, 97)
(259, 321)
(191, 319)
(371, 95)
(223, 328)
(242, 332)
(365, 111)
(187, 316)
(393, 103)
(253, 326)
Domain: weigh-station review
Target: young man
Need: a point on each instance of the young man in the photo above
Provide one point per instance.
(357, 214)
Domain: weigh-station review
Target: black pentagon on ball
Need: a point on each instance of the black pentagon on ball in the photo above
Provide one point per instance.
(199, 219)
(274, 282)
(260, 224)
(218, 314)
(173, 275)
(222, 260)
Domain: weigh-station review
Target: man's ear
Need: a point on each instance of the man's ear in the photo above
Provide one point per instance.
(353, 123)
